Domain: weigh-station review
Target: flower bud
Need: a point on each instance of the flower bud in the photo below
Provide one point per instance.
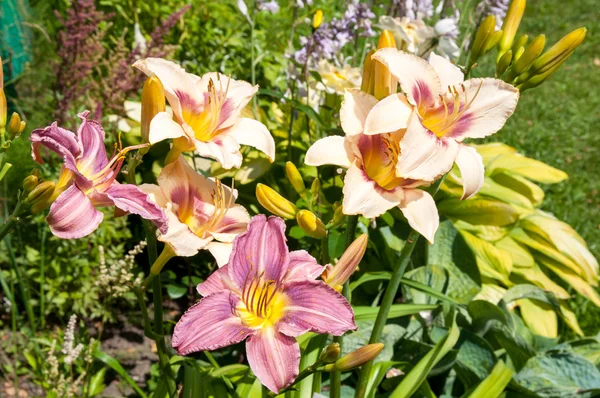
(315, 189)
(368, 77)
(492, 41)
(41, 193)
(337, 275)
(520, 42)
(311, 224)
(14, 125)
(525, 57)
(295, 178)
(355, 358)
(385, 84)
(338, 215)
(29, 183)
(503, 63)
(275, 203)
(22, 126)
(3, 109)
(486, 28)
(559, 52)
(330, 353)
(317, 19)
(511, 25)
(153, 102)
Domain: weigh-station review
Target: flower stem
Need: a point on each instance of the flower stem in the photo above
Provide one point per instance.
(12, 220)
(158, 264)
(42, 279)
(336, 377)
(388, 299)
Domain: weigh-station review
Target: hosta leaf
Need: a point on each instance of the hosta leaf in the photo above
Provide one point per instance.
(494, 384)
(559, 374)
(523, 186)
(479, 211)
(491, 151)
(491, 233)
(539, 317)
(566, 274)
(494, 190)
(536, 276)
(492, 262)
(529, 168)
(520, 255)
(475, 358)
(433, 276)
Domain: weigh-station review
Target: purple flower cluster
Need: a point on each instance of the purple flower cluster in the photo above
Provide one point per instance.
(329, 39)
(497, 8)
(414, 9)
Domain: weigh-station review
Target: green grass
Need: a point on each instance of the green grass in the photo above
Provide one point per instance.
(559, 124)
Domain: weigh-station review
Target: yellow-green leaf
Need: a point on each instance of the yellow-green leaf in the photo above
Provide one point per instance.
(539, 317)
(531, 191)
(570, 319)
(529, 168)
(479, 211)
(491, 233)
(493, 385)
(520, 255)
(490, 151)
(494, 190)
(536, 276)
(566, 274)
(491, 261)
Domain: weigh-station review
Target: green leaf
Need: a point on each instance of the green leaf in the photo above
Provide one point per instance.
(413, 380)
(396, 311)
(377, 375)
(432, 277)
(559, 374)
(494, 384)
(229, 371)
(475, 358)
(479, 211)
(116, 366)
(310, 112)
(4, 170)
(193, 383)
(176, 291)
(337, 243)
(370, 276)
(97, 383)
(427, 290)
(494, 190)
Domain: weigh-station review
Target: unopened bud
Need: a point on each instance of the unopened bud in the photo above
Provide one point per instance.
(3, 108)
(315, 189)
(22, 126)
(14, 125)
(520, 42)
(492, 41)
(338, 215)
(511, 25)
(337, 275)
(295, 178)
(486, 28)
(529, 55)
(385, 83)
(275, 203)
(29, 183)
(355, 358)
(153, 102)
(311, 224)
(559, 52)
(518, 54)
(41, 193)
(368, 77)
(317, 19)
(330, 353)
(503, 63)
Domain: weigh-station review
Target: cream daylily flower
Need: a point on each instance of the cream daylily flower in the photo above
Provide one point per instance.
(447, 111)
(201, 212)
(336, 79)
(371, 153)
(413, 36)
(206, 114)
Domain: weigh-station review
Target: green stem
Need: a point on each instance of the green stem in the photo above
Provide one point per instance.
(335, 382)
(12, 220)
(291, 128)
(23, 291)
(388, 299)
(325, 250)
(158, 265)
(42, 278)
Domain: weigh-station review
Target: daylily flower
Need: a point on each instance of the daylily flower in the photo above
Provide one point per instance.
(447, 111)
(87, 180)
(206, 114)
(372, 154)
(269, 296)
(337, 79)
(200, 210)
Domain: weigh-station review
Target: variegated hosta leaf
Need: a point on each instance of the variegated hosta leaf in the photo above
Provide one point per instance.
(539, 317)
(529, 168)
(492, 262)
(479, 211)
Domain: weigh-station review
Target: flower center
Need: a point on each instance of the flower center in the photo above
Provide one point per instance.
(263, 302)
(200, 225)
(380, 156)
(206, 123)
(441, 118)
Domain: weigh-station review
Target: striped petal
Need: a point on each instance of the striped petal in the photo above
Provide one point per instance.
(132, 199)
(419, 209)
(303, 266)
(91, 137)
(72, 215)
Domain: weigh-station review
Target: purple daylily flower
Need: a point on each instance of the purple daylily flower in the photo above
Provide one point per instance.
(87, 180)
(269, 296)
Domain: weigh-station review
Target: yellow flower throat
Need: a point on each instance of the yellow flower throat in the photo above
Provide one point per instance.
(263, 303)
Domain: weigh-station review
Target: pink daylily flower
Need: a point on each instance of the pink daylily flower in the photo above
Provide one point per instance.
(372, 184)
(447, 111)
(206, 114)
(87, 180)
(201, 211)
(269, 296)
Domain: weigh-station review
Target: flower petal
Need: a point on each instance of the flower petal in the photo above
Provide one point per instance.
(72, 215)
(155, 194)
(220, 251)
(181, 88)
(163, 127)
(132, 199)
(234, 223)
(210, 324)
(424, 156)
(390, 114)
(471, 168)
(58, 140)
(364, 196)
(303, 266)
(418, 79)
(179, 236)
(274, 358)
(354, 110)
(255, 134)
(419, 209)
(329, 150)
(262, 248)
(313, 306)
(223, 148)
(91, 137)
(216, 282)
(448, 73)
(492, 102)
